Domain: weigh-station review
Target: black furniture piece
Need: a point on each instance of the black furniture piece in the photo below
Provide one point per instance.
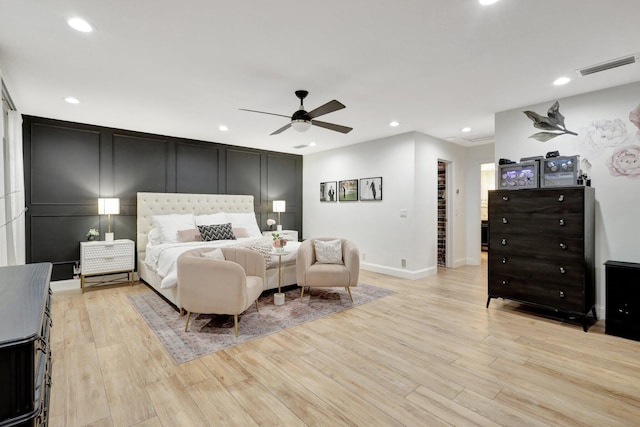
(541, 248)
(623, 299)
(25, 352)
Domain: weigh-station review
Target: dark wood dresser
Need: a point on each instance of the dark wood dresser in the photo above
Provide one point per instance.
(25, 352)
(542, 249)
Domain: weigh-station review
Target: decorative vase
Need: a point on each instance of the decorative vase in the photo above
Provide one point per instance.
(279, 244)
(91, 238)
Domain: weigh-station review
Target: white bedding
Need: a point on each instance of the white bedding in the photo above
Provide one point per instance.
(161, 258)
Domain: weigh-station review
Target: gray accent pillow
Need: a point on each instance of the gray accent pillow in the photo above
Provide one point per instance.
(328, 251)
(216, 232)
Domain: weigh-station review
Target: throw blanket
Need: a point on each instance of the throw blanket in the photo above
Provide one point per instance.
(162, 258)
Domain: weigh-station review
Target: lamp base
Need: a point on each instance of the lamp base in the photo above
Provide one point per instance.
(108, 237)
(279, 227)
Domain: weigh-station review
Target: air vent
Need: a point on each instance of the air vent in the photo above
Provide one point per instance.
(614, 63)
(486, 138)
(300, 146)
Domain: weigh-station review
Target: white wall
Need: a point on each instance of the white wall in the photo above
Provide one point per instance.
(408, 165)
(476, 156)
(602, 121)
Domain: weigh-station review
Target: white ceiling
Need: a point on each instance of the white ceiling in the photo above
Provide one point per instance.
(182, 68)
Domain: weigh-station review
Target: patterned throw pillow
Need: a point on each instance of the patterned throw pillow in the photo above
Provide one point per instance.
(216, 232)
(328, 251)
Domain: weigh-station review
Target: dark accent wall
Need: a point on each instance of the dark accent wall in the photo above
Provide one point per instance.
(69, 165)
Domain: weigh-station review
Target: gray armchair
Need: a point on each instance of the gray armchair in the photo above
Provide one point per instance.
(311, 273)
(211, 286)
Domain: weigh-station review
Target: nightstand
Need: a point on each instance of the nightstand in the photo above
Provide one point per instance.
(287, 234)
(98, 258)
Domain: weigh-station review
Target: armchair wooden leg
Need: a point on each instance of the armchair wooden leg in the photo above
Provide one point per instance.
(181, 311)
(186, 326)
(257, 305)
(301, 292)
(235, 322)
(349, 290)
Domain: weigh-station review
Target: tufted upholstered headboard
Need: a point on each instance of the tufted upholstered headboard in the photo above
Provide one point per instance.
(150, 204)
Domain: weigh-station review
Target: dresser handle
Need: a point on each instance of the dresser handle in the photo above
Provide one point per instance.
(561, 222)
(563, 271)
(561, 198)
(504, 259)
(505, 198)
(563, 246)
(505, 282)
(562, 295)
(505, 220)
(504, 242)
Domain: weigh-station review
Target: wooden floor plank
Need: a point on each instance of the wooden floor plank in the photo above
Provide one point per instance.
(429, 354)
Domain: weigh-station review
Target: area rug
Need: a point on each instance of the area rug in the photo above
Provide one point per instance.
(210, 333)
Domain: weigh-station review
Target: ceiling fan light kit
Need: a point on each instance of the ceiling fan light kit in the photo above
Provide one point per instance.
(302, 120)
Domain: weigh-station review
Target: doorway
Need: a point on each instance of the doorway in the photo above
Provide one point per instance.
(442, 214)
(487, 182)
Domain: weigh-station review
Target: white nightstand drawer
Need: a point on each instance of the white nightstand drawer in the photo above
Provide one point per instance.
(106, 257)
(106, 250)
(106, 265)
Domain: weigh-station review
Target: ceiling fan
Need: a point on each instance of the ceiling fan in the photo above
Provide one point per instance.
(302, 120)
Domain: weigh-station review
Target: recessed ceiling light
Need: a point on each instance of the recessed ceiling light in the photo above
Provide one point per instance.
(312, 144)
(223, 128)
(394, 124)
(72, 100)
(561, 81)
(466, 129)
(487, 2)
(80, 24)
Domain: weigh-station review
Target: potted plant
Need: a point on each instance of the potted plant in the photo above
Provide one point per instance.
(271, 223)
(279, 242)
(92, 234)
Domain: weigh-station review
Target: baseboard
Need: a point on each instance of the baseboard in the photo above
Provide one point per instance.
(65, 285)
(399, 272)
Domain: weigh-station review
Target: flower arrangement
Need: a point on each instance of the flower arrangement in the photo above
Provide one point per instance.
(92, 233)
(271, 223)
(279, 242)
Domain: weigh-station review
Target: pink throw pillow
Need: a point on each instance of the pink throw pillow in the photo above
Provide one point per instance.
(191, 235)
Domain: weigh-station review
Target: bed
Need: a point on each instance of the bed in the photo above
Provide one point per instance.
(157, 255)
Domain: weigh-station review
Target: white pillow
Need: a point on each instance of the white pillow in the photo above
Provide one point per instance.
(214, 254)
(169, 225)
(154, 237)
(212, 219)
(328, 251)
(246, 220)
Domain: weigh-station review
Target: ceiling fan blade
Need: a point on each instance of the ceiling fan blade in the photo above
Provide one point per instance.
(264, 112)
(327, 108)
(282, 129)
(332, 126)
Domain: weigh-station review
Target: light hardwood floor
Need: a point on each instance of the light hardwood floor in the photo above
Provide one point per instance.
(429, 355)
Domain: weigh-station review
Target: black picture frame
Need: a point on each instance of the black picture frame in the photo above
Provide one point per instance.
(329, 191)
(348, 190)
(369, 193)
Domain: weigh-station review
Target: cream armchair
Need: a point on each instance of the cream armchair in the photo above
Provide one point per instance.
(211, 286)
(309, 272)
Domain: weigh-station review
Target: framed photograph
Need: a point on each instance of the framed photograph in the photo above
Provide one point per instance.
(371, 188)
(348, 190)
(328, 191)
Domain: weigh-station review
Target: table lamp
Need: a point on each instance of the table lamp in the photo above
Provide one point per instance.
(279, 206)
(108, 207)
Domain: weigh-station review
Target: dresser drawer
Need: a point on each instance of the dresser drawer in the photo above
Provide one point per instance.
(566, 200)
(567, 298)
(557, 271)
(106, 250)
(570, 225)
(537, 246)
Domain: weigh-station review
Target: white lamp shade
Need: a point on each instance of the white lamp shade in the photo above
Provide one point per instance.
(109, 206)
(279, 206)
